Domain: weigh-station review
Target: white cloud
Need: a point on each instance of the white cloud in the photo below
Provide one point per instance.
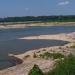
(63, 3)
(26, 9)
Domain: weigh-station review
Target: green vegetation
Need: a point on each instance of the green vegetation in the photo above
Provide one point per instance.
(48, 55)
(30, 19)
(34, 55)
(62, 67)
(73, 46)
(35, 71)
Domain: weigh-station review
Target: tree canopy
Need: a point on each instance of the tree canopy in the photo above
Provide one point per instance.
(70, 18)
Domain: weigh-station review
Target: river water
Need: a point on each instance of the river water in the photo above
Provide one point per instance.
(10, 44)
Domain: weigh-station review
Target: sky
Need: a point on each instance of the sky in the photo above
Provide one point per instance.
(9, 8)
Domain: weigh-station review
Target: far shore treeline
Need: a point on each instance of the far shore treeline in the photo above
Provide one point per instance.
(68, 18)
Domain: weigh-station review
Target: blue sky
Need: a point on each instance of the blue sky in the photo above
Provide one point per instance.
(36, 7)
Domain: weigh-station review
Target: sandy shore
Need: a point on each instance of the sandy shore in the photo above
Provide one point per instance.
(45, 65)
(23, 25)
(62, 36)
(13, 26)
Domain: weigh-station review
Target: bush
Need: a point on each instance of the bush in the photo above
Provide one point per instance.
(64, 67)
(48, 55)
(35, 71)
(27, 56)
(34, 55)
(72, 46)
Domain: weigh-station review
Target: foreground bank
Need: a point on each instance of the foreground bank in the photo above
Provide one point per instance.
(42, 57)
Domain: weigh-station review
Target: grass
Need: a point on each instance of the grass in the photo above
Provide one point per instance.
(48, 55)
(62, 67)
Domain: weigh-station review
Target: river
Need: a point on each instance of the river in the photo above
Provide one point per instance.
(9, 42)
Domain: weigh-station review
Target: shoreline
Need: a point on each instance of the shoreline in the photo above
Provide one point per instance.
(69, 37)
(62, 36)
(18, 25)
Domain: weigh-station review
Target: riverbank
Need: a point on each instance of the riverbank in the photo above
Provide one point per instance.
(29, 60)
(24, 25)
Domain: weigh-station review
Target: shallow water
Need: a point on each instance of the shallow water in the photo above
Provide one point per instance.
(10, 44)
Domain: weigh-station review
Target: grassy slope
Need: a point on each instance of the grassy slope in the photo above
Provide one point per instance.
(63, 67)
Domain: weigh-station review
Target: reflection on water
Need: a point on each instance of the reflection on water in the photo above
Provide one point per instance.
(10, 44)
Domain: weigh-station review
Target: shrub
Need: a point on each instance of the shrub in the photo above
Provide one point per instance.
(44, 49)
(60, 47)
(34, 55)
(38, 52)
(48, 55)
(27, 56)
(73, 46)
(64, 67)
(57, 55)
(35, 71)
